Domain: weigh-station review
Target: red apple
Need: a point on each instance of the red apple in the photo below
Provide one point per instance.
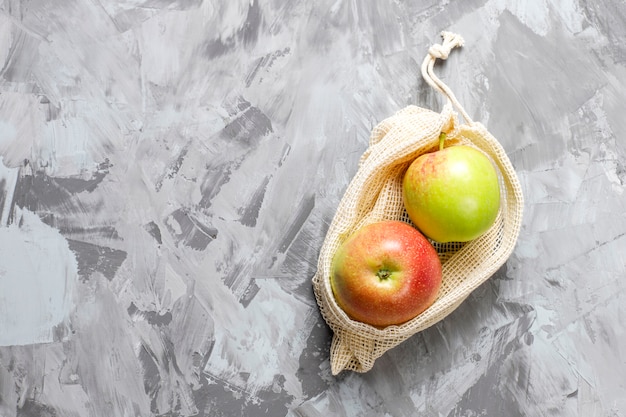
(385, 273)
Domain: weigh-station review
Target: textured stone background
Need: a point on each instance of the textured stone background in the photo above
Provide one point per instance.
(169, 170)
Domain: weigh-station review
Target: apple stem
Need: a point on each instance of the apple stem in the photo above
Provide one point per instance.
(442, 138)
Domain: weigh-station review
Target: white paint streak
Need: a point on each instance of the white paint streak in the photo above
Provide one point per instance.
(9, 177)
(259, 341)
(534, 14)
(539, 16)
(19, 127)
(37, 277)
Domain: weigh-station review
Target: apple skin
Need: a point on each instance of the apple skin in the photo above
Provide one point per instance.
(385, 273)
(453, 194)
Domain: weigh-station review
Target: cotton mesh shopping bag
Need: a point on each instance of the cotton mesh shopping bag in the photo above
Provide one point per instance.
(375, 194)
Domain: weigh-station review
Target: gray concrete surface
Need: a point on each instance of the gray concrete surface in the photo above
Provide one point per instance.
(169, 170)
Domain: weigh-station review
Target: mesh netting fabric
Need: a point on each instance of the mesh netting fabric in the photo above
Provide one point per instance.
(375, 194)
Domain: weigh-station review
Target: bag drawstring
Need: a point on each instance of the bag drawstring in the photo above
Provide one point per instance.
(450, 41)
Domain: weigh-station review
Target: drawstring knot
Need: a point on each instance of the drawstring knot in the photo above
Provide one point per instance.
(450, 41)
(441, 51)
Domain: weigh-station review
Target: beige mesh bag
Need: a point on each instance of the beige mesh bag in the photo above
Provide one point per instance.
(375, 193)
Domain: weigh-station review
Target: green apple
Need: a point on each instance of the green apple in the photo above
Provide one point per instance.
(452, 194)
(385, 273)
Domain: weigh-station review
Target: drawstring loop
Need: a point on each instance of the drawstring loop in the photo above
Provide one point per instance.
(441, 51)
